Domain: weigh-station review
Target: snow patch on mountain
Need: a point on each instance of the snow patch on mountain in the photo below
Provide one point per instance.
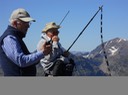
(113, 50)
(121, 40)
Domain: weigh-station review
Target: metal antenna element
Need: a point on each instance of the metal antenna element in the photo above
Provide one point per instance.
(102, 43)
(85, 28)
(64, 17)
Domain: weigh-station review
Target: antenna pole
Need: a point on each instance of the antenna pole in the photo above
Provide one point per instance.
(84, 28)
(64, 17)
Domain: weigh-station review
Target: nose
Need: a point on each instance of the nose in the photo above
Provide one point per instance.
(27, 24)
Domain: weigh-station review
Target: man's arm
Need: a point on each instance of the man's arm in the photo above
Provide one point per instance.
(13, 50)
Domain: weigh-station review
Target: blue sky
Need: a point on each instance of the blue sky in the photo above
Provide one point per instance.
(115, 20)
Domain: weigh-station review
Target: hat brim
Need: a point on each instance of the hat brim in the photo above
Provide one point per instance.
(27, 19)
(55, 27)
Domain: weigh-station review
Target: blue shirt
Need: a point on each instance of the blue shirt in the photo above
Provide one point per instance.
(13, 51)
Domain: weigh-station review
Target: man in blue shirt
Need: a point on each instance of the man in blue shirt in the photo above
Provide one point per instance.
(15, 58)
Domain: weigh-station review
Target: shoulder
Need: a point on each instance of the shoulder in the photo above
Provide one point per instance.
(10, 37)
(40, 43)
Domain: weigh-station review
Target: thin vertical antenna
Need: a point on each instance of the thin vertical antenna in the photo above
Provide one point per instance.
(102, 42)
(64, 17)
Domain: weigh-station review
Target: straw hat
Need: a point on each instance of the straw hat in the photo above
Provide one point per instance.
(50, 26)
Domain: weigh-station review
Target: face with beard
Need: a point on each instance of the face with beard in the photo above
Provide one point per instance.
(23, 27)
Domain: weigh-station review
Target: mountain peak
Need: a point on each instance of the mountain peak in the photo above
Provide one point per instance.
(117, 52)
(117, 40)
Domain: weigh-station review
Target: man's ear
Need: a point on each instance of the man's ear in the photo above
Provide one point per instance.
(16, 22)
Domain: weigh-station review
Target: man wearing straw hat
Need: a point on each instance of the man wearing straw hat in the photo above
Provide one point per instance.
(58, 62)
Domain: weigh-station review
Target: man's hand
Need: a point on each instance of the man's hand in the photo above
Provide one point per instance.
(55, 39)
(46, 48)
(66, 54)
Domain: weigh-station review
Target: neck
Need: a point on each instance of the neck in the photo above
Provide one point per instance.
(20, 33)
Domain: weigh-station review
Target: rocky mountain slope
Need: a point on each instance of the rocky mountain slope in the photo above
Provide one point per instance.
(117, 54)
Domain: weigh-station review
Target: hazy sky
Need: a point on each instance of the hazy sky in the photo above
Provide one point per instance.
(115, 20)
